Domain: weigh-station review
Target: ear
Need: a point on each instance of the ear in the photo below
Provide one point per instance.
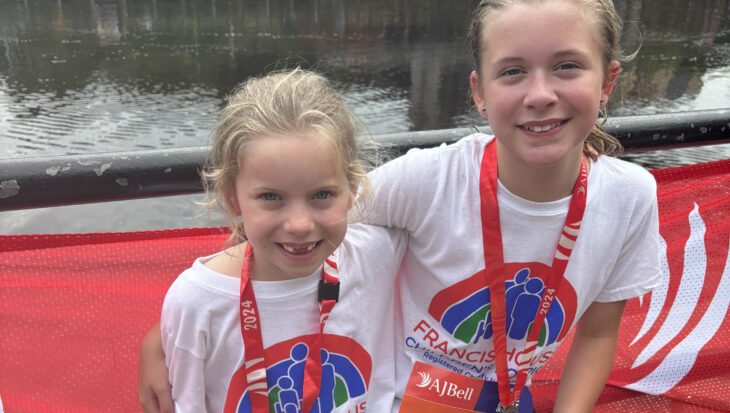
(609, 80)
(477, 93)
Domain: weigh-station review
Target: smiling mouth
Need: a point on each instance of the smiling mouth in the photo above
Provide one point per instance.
(543, 128)
(300, 249)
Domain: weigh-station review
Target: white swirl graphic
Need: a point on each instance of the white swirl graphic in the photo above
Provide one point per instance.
(690, 287)
(682, 357)
(425, 379)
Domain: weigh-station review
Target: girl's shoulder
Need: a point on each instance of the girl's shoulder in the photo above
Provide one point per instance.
(618, 179)
(201, 281)
(468, 146)
(465, 146)
(419, 164)
(228, 262)
(617, 170)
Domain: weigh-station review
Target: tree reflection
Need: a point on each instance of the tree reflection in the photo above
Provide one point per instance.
(414, 50)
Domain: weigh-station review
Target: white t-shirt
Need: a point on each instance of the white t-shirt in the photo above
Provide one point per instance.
(442, 312)
(201, 332)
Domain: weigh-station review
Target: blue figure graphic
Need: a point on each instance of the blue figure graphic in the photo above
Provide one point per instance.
(295, 371)
(288, 375)
(326, 401)
(288, 398)
(525, 309)
(515, 290)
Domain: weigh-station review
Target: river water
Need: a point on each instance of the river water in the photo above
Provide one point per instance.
(85, 76)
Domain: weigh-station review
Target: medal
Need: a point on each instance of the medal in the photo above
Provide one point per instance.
(494, 269)
(510, 409)
(514, 408)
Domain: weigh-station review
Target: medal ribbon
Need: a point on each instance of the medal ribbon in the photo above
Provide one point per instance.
(494, 264)
(254, 362)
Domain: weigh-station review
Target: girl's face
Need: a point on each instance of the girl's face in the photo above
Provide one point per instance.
(293, 197)
(542, 78)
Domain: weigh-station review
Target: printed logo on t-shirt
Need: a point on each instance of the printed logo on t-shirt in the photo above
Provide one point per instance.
(462, 313)
(346, 368)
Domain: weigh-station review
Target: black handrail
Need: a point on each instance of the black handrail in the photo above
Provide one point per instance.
(65, 180)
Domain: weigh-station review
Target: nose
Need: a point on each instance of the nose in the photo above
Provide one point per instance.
(541, 91)
(299, 220)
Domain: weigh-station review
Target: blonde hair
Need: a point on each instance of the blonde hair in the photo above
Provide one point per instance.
(281, 103)
(609, 26)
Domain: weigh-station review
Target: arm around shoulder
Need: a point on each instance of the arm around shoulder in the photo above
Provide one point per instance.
(405, 188)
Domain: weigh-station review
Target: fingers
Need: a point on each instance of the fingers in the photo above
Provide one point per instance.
(155, 399)
(148, 401)
(145, 392)
(153, 386)
(164, 399)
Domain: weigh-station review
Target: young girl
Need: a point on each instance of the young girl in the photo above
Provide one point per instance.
(519, 230)
(242, 330)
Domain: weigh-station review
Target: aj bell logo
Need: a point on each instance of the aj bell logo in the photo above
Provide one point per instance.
(443, 387)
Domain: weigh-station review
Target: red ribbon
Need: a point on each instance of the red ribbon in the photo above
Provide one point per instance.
(253, 377)
(494, 264)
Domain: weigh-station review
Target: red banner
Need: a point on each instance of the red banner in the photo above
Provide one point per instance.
(73, 309)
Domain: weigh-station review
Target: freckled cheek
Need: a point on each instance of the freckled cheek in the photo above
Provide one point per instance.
(261, 225)
(334, 218)
(502, 102)
(587, 89)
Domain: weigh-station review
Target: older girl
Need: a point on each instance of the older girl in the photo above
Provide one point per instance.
(516, 238)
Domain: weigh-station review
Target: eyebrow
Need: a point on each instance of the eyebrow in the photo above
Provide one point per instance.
(562, 54)
(570, 53)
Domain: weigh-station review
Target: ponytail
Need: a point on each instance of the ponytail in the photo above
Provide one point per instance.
(602, 142)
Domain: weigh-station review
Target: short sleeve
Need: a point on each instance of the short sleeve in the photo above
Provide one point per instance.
(184, 349)
(188, 381)
(401, 190)
(377, 249)
(637, 270)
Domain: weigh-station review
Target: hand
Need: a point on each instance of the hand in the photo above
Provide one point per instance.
(153, 386)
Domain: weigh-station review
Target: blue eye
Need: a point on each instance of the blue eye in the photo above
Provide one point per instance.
(511, 72)
(567, 66)
(269, 196)
(323, 195)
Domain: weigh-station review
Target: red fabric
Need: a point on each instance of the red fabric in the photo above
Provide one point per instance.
(73, 309)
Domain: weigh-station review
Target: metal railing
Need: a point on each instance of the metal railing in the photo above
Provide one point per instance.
(66, 180)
